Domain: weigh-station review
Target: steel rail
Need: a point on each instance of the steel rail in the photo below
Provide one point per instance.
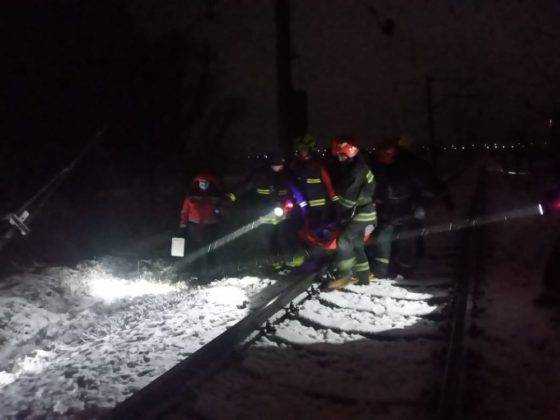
(156, 399)
(450, 392)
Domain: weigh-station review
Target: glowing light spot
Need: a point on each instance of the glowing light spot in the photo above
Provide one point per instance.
(278, 211)
(226, 295)
(541, 210)
(110, 288)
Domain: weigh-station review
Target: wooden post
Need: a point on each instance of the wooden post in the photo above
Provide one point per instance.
(431, 124)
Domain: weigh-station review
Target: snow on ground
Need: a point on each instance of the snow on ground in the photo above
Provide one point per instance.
(379, 305)
(74, 340)
(514, 351)
(364, 352)
(386, 288)
(361, 321)
(328, 376)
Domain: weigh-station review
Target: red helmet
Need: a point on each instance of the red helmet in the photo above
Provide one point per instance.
(206, 179)
(344, 146)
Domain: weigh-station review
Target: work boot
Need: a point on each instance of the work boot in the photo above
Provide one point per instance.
(341, 283)
(296, 261)
(366, 280)
(371, 279)
(278, 265)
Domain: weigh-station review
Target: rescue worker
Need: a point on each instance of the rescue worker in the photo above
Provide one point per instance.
(270, 187)
(404, 186)
(315, 185)
(356, 215)
(200, 217)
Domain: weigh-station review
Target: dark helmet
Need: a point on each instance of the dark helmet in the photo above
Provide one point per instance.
(388, 150)
(304, 145)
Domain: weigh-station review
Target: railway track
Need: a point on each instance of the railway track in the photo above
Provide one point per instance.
(388, 350)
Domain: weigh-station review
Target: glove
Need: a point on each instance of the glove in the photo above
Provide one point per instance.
(420, 213)
(343, 221)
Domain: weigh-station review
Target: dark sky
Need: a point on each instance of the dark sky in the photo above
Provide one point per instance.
(179, 80)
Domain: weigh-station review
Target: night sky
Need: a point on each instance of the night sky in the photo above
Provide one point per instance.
(177, 87)
(186, 85)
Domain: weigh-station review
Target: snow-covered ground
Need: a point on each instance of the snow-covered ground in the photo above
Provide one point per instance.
(363, 352)
(327, 364)
(514, 346)
(78, 340)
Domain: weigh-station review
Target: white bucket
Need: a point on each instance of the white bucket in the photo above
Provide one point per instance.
(177, 247)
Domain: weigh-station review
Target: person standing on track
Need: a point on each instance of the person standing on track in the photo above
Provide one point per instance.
(314, 183)
(405, 185)
(268, 187)
(356, 215)
(201, 217)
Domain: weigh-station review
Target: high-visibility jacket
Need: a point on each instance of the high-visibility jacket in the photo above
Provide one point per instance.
(266, 187)
(355, 186)
(264, 190)
(314, 182)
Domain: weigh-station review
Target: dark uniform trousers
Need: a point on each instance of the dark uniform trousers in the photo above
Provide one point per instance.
(351, 255)
(391, 254)
(197, 236)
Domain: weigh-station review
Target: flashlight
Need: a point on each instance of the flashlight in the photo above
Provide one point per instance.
(278, 211)
(288, 206)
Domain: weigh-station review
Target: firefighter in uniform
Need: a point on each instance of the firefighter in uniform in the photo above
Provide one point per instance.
(404, 186)
(268, 188)
(314, 183)
(355, 185)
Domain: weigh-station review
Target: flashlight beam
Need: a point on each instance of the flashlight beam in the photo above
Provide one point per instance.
(535, 210)
(430, 230)
(212, 246)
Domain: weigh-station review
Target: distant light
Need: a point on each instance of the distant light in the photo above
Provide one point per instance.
(541, 210)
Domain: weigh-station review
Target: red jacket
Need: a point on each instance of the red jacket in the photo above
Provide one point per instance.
(200, 209)
(202, 206)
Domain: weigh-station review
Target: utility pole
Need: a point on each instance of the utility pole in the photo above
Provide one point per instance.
(292, 104)
(283, 75)
(431, 125)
